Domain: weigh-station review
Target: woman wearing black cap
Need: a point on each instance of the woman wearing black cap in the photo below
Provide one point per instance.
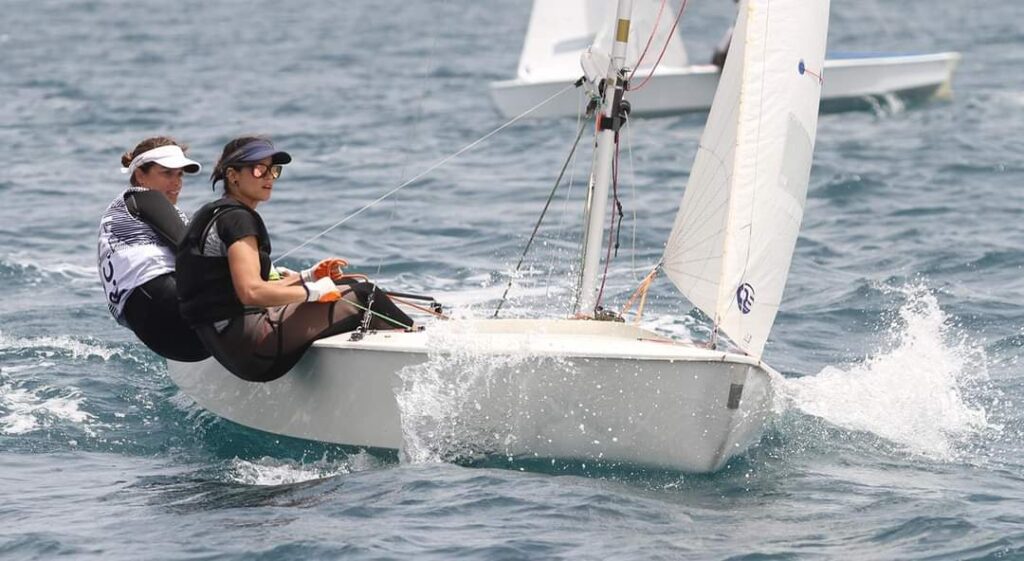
(256, 327)
(139, 234)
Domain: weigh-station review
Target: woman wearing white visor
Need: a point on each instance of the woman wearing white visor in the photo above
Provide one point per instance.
(139, 235)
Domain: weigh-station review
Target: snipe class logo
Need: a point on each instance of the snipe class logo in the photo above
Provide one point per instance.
(803, 70)
(745, 297)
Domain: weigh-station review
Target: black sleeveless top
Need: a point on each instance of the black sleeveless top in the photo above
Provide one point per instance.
(205, 290)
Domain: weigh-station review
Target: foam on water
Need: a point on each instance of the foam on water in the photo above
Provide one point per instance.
(25, 409)
(49, 347)
(885, 105)
(26, 404)
(916, 393)
(268, 471)
(271, 471)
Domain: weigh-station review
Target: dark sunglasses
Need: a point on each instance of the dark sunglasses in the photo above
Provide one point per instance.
(261, 170)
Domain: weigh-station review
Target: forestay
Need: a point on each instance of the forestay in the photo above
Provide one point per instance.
(560, 30)
(732, 242)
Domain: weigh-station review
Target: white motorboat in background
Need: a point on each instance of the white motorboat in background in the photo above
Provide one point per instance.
(561, 30)
(591, 387)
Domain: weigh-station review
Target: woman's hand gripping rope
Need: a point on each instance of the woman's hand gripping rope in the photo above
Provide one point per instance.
(319, 280)
(332, 268)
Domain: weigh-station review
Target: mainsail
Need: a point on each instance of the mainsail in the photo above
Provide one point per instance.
(732, 242)
(560, 30)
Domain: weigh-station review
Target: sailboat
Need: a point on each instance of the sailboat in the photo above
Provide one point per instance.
(560, 31)
(583, 388)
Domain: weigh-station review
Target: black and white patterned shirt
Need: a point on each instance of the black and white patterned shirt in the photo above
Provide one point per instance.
(129, 253)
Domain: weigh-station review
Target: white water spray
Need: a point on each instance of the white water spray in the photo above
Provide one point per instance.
(463, 403)
(25, 404)
(912, 394)
(24, 409)
(268, 471)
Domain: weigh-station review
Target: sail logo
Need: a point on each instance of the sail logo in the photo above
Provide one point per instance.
(803, 70)
(745, 297)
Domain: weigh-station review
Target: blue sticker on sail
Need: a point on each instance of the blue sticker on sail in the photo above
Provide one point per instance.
(745, 297)
(801, 67)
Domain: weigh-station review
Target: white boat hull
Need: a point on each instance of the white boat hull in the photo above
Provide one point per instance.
(853, 82)
(523, 388)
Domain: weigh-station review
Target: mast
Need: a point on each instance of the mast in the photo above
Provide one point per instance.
(608, 124)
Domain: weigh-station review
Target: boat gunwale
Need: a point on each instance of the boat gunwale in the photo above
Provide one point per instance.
(643, 344)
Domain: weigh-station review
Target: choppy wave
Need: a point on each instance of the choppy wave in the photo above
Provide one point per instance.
(273, 471)
(886, 105)
(61, 346)
(26, 406)
(923, 391)
(24, 269)
(35, 395)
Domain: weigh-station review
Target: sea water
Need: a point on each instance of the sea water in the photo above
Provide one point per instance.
(897, 430)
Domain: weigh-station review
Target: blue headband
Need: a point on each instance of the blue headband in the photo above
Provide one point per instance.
(257, 150)
(252, 151)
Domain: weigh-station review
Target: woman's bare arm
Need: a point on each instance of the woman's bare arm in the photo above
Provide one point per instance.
(251, 289)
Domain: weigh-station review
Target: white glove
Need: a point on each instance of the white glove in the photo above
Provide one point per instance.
(331, 267)
(323, 290)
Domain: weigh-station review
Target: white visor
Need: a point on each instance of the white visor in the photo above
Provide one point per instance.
(170, 157)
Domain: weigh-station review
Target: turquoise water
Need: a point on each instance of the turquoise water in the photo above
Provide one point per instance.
(898, 431)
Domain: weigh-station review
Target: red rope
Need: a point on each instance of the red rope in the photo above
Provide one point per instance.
(671, 34)
(650, 38)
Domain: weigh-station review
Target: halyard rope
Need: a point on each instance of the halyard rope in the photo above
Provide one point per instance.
(668, 40)
(654, 31)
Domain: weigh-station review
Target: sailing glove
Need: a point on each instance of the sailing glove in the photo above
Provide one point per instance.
(331, 268)
(323, 290)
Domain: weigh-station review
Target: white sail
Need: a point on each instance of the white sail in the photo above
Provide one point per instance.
(732, 242)
(560, 30)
